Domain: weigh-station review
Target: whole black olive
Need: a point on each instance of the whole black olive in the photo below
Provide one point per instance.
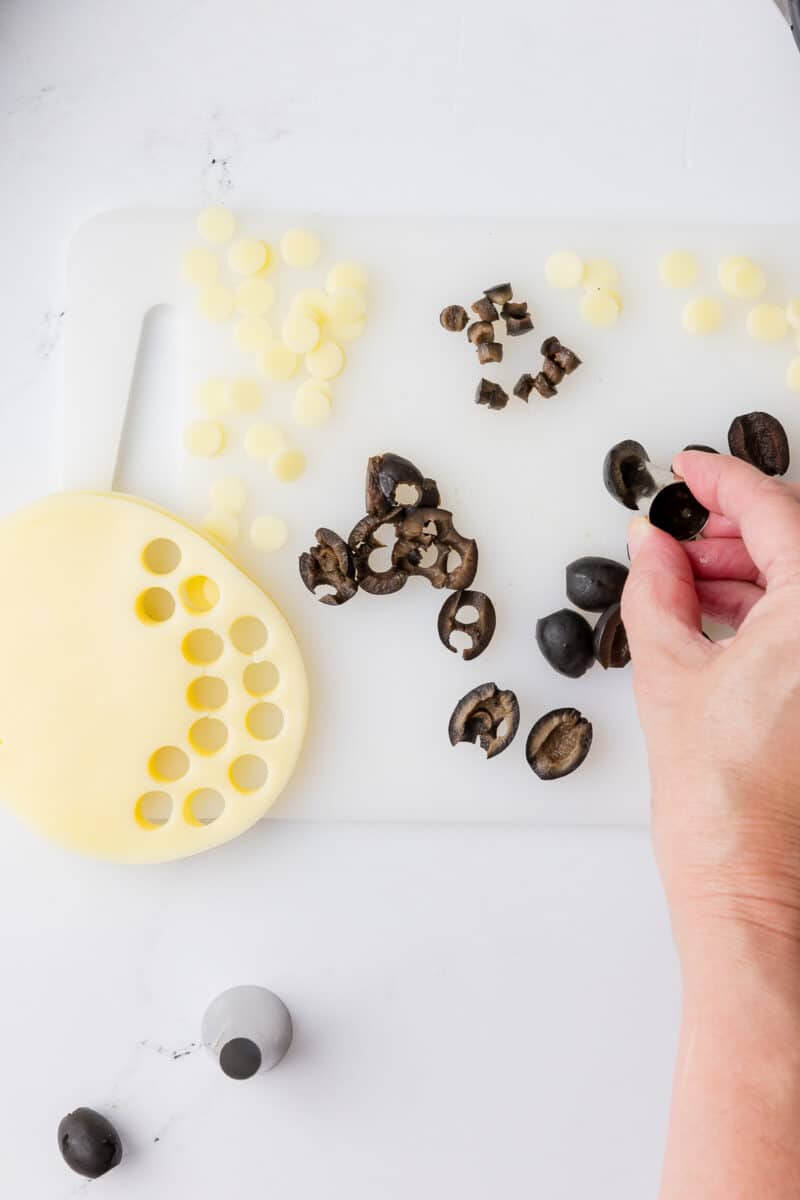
(761, 440)
(610, 639)
(89, 1144)
(595, 583)
(558, 743)
(626, 473)
(565, 640)
(675, 510)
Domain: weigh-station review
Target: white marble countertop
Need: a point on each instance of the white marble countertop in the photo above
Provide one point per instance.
(479, 1012)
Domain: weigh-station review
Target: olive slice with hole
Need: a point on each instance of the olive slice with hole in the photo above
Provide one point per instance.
(610, 639)
(558, 743)
(329, 564)
(385, 474)
(759, 438)
(431, 529)
(594, 584)
(480, 630)
(362, 542)
(675, 510)
(89, 1143)
(488, 716)
(626, 473)
(565, 640)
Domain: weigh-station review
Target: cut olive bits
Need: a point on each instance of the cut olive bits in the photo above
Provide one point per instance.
(488, 716)
(637, 483)
(481, 333)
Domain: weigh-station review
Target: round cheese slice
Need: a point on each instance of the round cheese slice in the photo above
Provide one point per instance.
(129, 729)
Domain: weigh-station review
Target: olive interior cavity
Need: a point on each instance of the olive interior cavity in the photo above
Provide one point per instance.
(558, 743)
(479, 630)
(675, 510)
(487, 715)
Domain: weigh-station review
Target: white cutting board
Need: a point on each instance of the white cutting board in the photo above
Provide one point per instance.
(525, 482)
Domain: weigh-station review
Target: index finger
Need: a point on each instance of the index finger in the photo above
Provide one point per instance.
(766, 513)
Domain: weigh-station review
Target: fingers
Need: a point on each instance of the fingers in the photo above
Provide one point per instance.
(764, 509)
(727, 600)
(718, 526)
(723, 558)
(659, 604)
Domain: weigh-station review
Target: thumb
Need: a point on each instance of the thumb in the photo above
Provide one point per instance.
(660, 608)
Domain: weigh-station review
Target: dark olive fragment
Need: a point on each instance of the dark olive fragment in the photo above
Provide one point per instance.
(430, 494)
(89, 1143)
(558, 743)
(515, 308)
(488, 716)
(385, 474)
(594, 584)
(484, 309)
(501, 293)
(329, 564)
(675, 510)
(699, 446)
(490, 394)
(480, 331)
(426, 538)
(544, 387)
(480, 631)
(490, 352)
(626, 474)
(516, 326)
(552, 372)
(362, 542)
(610, 639)
(760, 439)
(567, 359)
(454, 318)
(524, 386)
(565, 640)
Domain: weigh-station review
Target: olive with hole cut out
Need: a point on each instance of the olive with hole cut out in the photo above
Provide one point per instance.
(89, 1143)
(595, 583)
(488, 716)
(558, 743)
(565, 640)
(480, 631)
(625, 473)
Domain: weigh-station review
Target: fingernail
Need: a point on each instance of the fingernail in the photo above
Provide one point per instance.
(638, 530)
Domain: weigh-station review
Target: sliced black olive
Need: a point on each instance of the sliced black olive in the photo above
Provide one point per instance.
(626, 473)
(567, 359)
(558, 743)
(362, 542)
(484, 309)
(675, 510)
(385, 474)
(516, 326)
(480, 631)
(480, 331)
(610, 639)
(544, 387)
(454, 318)
(422, 530)
(490, 352)
(524, 386)
(89, 1143)
(488, 716)
(515, 308)
(552, 372)
(430, 494)
(565, 640)
(594, 584)
(491, 394)
(329, 564)
(760, 439)
(501, 293)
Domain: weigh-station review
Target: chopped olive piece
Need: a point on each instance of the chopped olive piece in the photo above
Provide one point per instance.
(516, 326)
(430, 494)
(552, 372)
(490, 394)
(544, 387)
(484, 309)
(760, 439)
(610, 639)
(567, 359)
(501, 293)
(594, 584)
(454, 318)
(490, 352)
(362, 542)
(428, 534)
(558, 743)
(626, 473)
(385, 474)
(515, 308)
(524, 386)
(675, 510)
(565, 640)
(480, 331)
(89, 1143)
(329, 564)
(480, 631)
(485, 715)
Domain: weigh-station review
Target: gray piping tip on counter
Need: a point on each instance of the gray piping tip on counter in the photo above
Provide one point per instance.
(248, 1030)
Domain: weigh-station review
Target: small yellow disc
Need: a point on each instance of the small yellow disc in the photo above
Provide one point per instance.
(223, 526)
(278, 361)
(246, 256)
(253, 334)
(326, 361)
(205, 439)
(254, 297)
(246, 395)
(767, 323)
(313, 303)
(216, 224)
(300, 332)
(269, 260)
(793, 313)
(312, 403)
(300, 248)
(262, 441)
(678, 269)
(346, 306)
(228, 495)
(287, 465)
(564, 269)
(346, 275)
(216, 302)
(200, 267)
(741, 277)
(269, 533)
(600, 307)
(703, 315)
(213, 397)
(599, 272)
(349, 331)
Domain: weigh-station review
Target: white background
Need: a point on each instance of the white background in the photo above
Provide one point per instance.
(480, 1012)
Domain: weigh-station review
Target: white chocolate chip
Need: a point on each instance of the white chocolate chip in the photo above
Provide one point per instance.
(703, 315)
(214, 398)
(246, 256)
(215, 302)
(253, 334)
(300, 248)
(246, 395)
(312, 403)
(269, 533)
(678, 269)
(326, 361)
(269, 260)
(564, 269)
(278, 361)
(223, 526)
(254, 297)
(287, 465)
(300, 332)
(216, 224)
(228, 495)
(346, 275)
(205, 439)
(200, 267)
(741, 277)
(767, 323)
(313, 303)
(599, 272)
(600, 307)
(350, 331)
(262, 441)
(346, 306)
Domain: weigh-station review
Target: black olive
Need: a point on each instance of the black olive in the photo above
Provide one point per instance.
(362, 542)
(544, 386)
(516, 326)
(595, 583)
(489, 352)
(480, 331)
(480, 631)
(485, 715)
(610, 639)
(501, 293)
(430, 494)
(760, 439)
(491, 394)
(484, 309)
(524, 386)
(515, 308)
(562, 355)
(626, 473)
(418, 530)
(675, 510)
(565, 640)
(558, 743)
(454, 318)
(89, 1143)
(385, 474)
(329, 564)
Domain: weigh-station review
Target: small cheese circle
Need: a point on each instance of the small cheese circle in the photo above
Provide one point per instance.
(741, 277)
(215, 302)
(200, 267)
(205, 439)
(269, 260)
(300, 248)
(278, 361)
(767, 323)
(254, 297)
(326, 361)
(703, 315)
(246, 256)
(246, 394)
(564, 269)
(346, 305)
(793, 313)
(346, 275)
(214, 398)
(312, 403)
(221, 525)
(253, 334)
(600, 307)
(228, 495)
(262, 441)
(599, 272)
(287, 465)
(300, 332)
(678, 269)
(216, 224)
(347, 331)
(269, 533)
(793, 375)
(313, 303)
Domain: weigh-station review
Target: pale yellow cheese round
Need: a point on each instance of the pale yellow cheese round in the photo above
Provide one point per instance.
(222, 526)
(767, 323)
(228, 495)
(793, 313)
(678, 269)
(269, 533)
(346, 306)
(253, 334)
(200, 267)
(793, 375)
(214, 398)
(300, 332)
(313, 303)
(312, 403)
(205, 439)
(346, 275)
(215, 302)
(246, 256)
(741, 277)
(300, 248)
(262, 441)
(246, 394)
(564, 269)
(346, 331)
(703, 315)
(254, 297)
(326, 361)
(269, 260)
(287, 465)
(600, 307)
(81, 759)
(278, 361)
(599, 272)
(216, 224)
